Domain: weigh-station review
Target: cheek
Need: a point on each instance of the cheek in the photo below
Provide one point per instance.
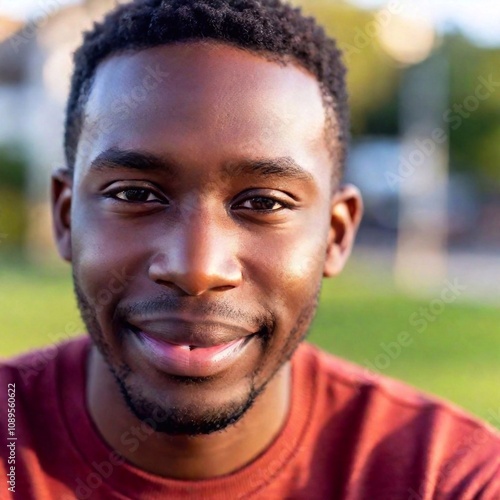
(105, 259)
(290, 268)
(290, 274)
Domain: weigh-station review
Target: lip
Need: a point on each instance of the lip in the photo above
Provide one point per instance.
(182, 332)
(182, 360)
(188, 348)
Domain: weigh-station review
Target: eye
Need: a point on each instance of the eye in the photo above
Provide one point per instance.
(262, 204)
(135, 195)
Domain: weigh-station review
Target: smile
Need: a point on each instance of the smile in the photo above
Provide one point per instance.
(187, 359)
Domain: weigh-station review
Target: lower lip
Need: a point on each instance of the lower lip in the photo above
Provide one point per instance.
(199, 362)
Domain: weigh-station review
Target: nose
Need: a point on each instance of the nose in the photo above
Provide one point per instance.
(197, 255)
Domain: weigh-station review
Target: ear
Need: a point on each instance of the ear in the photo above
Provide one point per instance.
(346, 213)
(62, 192)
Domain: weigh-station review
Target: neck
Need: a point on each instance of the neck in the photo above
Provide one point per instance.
(185, 457)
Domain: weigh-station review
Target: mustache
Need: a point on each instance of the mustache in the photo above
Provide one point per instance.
(166, 304)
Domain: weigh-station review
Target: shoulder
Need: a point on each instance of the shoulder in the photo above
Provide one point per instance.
(34, 381)
(31, 413)
(34, 377)
(357, 382)
(396, 425)
(31, 368)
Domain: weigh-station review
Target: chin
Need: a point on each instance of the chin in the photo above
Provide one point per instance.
(188, 409)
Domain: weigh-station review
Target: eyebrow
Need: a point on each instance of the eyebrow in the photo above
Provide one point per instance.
(115, 158)
(281, 167)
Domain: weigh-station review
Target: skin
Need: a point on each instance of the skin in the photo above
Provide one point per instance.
(216, 241)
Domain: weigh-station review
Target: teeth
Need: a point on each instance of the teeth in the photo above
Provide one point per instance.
(187, 347)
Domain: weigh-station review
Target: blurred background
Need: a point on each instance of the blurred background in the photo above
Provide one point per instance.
(420, 298)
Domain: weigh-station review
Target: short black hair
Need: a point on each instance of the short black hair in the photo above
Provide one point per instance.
(271, 28)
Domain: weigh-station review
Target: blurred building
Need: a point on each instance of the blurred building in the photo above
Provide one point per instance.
(35, 69)
(375, 167)
(12, 74)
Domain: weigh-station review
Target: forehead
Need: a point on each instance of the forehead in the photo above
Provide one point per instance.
(209, 101)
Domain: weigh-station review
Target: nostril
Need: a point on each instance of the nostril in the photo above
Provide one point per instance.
(194, 275)
(224, 288)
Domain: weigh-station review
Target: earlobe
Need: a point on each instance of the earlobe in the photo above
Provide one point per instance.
(62, 191)
(346, 213)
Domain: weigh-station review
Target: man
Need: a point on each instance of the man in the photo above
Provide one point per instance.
(200, 208)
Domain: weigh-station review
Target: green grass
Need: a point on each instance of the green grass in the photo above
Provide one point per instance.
(457, 355)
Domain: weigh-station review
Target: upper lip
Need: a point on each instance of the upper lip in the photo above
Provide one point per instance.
(199, 333)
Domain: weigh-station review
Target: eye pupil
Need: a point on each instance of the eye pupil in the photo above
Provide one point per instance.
(263, 203)
(136, 194)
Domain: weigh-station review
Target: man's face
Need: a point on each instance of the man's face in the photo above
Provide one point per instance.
(200, 226)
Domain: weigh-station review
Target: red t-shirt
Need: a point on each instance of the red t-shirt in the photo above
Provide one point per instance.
(348, 436)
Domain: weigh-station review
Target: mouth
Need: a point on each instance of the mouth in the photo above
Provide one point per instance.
(203, 357)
